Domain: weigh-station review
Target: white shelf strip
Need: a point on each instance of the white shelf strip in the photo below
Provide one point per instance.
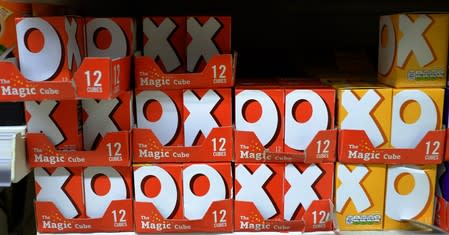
(13, 165)
(274, 233)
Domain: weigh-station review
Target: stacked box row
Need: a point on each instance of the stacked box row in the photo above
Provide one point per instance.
(279, 123)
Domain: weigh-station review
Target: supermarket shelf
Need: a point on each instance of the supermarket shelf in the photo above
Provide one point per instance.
(293, 233)
(13, 166)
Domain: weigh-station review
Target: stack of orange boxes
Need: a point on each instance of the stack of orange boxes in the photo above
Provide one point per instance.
(182, 148)
(79, 114)
(285, 148)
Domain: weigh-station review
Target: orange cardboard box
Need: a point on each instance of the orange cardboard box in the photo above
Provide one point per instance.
(87, 199)
(162, 186)
(63, 187)
(183, 197)
(367, 107)
(103, 185)
(110, 37)
(10, 11)
(262, 112)
(307, 111)
(164, 40)
(206, 36)
(103, 116)
(410, 194)
(304, 184)
(50, 48)
(262, 186)
(359, 196)
(161, 111)
(203, 185)
(203, 110)
(413, 49)
(283, 197)
(60, 121)
(414, 113)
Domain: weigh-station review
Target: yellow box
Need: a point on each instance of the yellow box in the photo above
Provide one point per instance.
(365, 106)
(414, 113)
(409, 195)
(359, 196)
(413, 50)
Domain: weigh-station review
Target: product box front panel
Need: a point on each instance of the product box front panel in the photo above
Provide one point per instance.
(264, 180)
(87, 199)
(206, 36)
(50, 48)
(359, 196)
(203, 110)
(183, 197)
(164, 40)
(103, 185)
(105, 116)
(60, 121)
(307, 111)
(410, 194)
(63, 187)
(413, 50)
(161, 111)
(414, 113)
(262, 112)
(305, 183)
(110, 37)
(287, 195)
(367, 109)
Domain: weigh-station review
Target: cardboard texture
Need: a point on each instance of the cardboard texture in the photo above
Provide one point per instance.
(206, 36)
(63, 187)
(50, 48)
(203, 110)
(164, 40)
(414, 127)
(322, 148)
(113, 150)
(60, 121)
(161, 112)
(84, 199)
(291, 197)
(185, 52)
(307, 111)
(262, 112)
(218, 73)
(415, 112)
(413, 50)
(104, 116)
(410, 194)
(183, 197)
(183, 125)
(366, 107)
(217, 147)
(299, 116)
(359, 196)
(96, 78)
